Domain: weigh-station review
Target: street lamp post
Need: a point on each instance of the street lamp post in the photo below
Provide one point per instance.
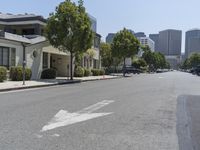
(24, 62)
(70, 34)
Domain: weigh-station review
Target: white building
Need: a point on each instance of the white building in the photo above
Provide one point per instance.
(19, 30)
(146, 41)
(39, 54)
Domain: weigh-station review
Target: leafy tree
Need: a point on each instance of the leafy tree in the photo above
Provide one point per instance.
(78, 59)
(124, 45)
(160, 61)
(106, 55)
(186, 64)
(168, 65)
(116, 62)
(69, 29)
(91, 53)
(155, 60)
(148, 56)
(194, 60)
(139, 63)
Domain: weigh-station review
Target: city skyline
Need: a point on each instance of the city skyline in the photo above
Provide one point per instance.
(112, 17)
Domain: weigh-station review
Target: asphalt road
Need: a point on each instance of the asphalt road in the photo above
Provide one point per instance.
(135, 113)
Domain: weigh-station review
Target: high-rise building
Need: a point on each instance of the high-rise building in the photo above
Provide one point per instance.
(139, 34)
(131, 31)
(94, 23)
(155, 38)
(170, 46)
(192, 42)
(170, 42)
(110, 37)
(145, 41)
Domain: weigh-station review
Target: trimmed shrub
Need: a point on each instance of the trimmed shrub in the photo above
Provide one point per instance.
(98, 72)
(49, 73)
(95, 72)
(87, 72)
(144, 69)
(139, 63)
(79, 71)
(3, 74)
(101, 72)
(16, 73)
(28, 73)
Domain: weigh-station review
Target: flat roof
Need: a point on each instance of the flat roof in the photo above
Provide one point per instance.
(21, 17)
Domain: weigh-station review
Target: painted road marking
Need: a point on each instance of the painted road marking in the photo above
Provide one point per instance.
(65, 118)
(55, 135)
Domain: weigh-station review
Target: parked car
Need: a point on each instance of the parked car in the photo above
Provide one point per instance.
(159, 71)
(162, 70)
(131, 69)
(198, 70)
(195, 70)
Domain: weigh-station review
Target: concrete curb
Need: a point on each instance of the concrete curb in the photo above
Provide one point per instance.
(116, 77)
(39, 86)
(55, 84)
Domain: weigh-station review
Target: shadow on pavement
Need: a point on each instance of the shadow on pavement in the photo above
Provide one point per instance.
(188, 122)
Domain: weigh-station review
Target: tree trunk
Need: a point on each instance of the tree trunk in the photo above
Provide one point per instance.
(71, 66)
(124, 67)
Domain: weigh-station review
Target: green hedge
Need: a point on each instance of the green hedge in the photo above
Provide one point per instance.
(49, 73)
(101, 72)
(16, 73)
(97, 72)
(79, 71)
(3, 74)
(87, 72)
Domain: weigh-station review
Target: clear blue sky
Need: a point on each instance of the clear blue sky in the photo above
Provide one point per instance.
(149, 16)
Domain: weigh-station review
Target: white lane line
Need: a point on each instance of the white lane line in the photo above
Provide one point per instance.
(64, 118)
(55, 135)
(96, 106)
(38, 136)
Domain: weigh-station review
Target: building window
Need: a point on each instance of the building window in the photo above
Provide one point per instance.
(96, 42)
(90, 62)
(42, 31)
(45, 60)
(85, 62)
(12, 56)
(95, 63)
(4, 56)
(28, 31)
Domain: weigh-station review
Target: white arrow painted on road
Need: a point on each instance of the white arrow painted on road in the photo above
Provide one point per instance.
(64, 118)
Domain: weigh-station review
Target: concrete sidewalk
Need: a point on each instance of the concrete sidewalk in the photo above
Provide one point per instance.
(17, 85)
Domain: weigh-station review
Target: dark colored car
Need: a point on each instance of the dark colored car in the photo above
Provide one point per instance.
(198, 70)
(195, 70)
(131, 69)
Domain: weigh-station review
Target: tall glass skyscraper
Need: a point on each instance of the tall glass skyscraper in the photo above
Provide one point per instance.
(94, 23)
(192, 42)
(170, 42)
(155, 38)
